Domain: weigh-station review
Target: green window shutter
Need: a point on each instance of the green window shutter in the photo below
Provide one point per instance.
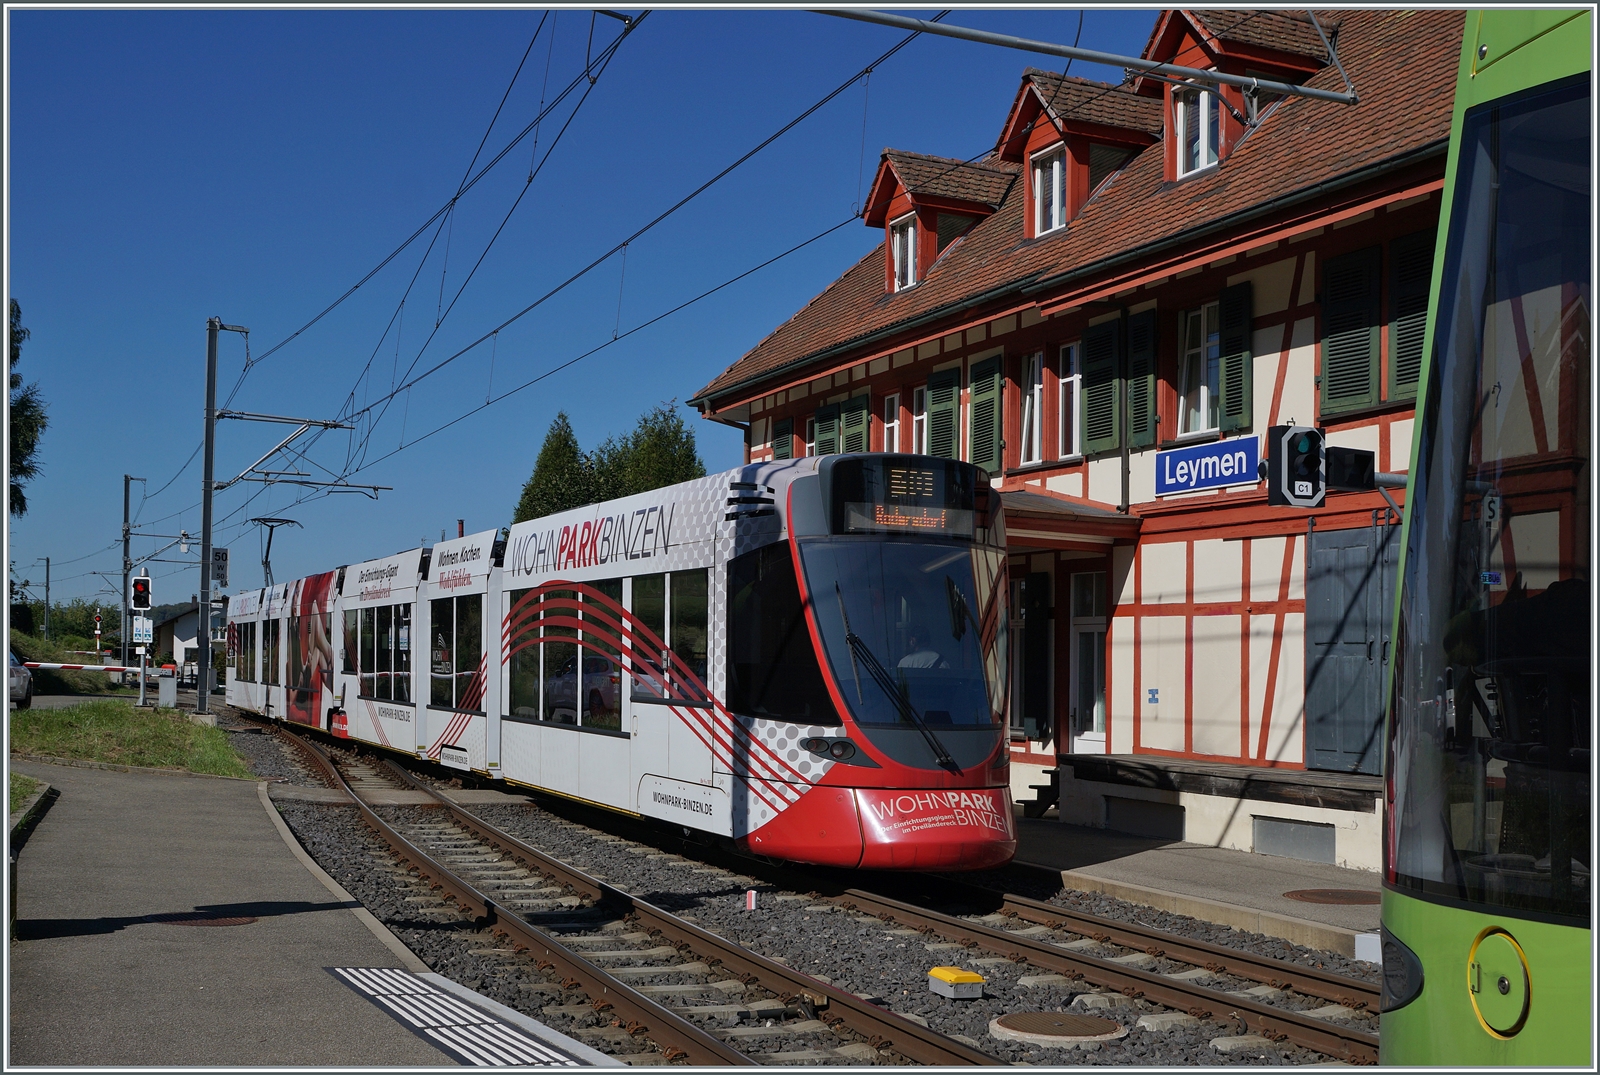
(985, 382)
(1142, 379)
(853, 424)
(1410, 273)
(1236, 380)
(1350, 331)
(1102, 398)
(944, 414)
(827, 429)
(783, 438)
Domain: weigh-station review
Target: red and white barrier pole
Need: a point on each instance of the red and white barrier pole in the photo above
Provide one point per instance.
(83, 667)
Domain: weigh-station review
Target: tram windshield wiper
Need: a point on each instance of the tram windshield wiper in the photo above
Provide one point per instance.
(896, 693)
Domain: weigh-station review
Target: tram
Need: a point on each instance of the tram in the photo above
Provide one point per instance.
(1487, 954)
(804, 658)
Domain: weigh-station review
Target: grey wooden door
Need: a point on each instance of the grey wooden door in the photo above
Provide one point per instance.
(1350, 587)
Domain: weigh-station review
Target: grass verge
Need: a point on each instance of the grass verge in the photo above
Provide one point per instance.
(21, 788)
(119, 732)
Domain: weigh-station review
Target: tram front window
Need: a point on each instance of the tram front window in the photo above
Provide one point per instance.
(1491, 717)
(914, 632)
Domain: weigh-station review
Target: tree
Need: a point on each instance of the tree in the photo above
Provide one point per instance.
(560, 478)
(28, 419)
(660, 451)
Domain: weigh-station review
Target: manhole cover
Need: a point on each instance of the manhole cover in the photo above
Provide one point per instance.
(1348, 896)
(1055, 1028)
(199, 918)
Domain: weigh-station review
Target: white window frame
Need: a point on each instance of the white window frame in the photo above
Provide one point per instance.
(1032, 416)
(903, 251)
(891, 423)
(1197, 355)
(811, 437)
(1200, 107)
(1050, 173)
(919, 420)
(1068, 434)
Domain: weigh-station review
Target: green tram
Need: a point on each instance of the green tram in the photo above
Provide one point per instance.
(1488, 866)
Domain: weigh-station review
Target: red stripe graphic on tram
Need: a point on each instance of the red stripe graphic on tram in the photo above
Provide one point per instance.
(471, 698)
(609, 629)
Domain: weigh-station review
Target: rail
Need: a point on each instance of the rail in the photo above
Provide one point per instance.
(680, 1038)
(882, 1027)
(1280, 1024)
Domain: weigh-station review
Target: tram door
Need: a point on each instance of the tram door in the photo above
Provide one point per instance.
(1350, 593)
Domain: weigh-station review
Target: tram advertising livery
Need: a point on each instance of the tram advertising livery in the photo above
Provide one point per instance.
(1488, 865)
(806, 658)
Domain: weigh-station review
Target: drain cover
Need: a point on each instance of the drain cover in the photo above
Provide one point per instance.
(199, 918)
(1348, 896)
(1055, 1028)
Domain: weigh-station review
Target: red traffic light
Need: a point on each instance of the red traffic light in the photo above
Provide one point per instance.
(141, 593)
(97, 619)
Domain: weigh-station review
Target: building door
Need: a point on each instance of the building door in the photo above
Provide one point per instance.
(1088, 699)
(1350, 588)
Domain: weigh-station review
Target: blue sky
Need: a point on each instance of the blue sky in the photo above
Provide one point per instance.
(168, 166)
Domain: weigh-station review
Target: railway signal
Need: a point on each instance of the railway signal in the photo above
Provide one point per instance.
(1295, 467)
(141, 593)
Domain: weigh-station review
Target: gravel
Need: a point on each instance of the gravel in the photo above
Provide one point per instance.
(852, 951)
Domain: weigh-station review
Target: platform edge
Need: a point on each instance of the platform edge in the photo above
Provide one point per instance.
(1270, 923)
(407, 957)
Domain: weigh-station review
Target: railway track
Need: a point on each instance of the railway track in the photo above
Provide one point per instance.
(598, 938)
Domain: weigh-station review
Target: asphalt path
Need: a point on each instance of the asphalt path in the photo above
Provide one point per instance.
(96, 981)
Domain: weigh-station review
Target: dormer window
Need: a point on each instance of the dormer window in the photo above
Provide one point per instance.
(903, 244)
(924, 204)
(1194, 114)
(1050, 190)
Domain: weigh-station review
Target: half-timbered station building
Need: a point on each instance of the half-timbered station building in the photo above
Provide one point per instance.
(1107, 311)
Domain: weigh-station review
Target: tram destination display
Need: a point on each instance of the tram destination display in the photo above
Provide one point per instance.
(902, 495)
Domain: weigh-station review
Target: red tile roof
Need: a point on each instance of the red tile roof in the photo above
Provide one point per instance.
(984, 182)
(1066, 97)
(1284, 31)
(1403, 64)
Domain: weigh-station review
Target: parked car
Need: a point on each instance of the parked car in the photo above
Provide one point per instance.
(600, 678)
(21, 680)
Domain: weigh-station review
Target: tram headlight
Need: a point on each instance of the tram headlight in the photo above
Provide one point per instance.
(837, 749)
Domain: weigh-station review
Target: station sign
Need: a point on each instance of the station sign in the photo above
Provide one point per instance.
(1215, 465)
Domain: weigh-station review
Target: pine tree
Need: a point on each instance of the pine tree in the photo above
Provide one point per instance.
(661, 451)
(28, 419)
(561, 476)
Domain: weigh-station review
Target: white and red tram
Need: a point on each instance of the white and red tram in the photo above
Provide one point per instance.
(806, 657)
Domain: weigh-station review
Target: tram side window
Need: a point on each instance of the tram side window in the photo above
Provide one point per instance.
(772, 666)
(559, 668)
(245, 658)
(369, 660)
(377, 649)
(352, 636)
(269, 670)
(522, 654)
(675, 609)
(457, 652)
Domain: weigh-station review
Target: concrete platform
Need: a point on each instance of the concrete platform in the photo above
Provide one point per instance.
(96, 981)
(1233, 888)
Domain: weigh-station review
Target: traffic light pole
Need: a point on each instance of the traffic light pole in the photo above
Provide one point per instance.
(203, 633)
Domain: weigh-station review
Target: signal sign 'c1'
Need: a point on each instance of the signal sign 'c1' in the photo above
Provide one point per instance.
(1295, 467)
